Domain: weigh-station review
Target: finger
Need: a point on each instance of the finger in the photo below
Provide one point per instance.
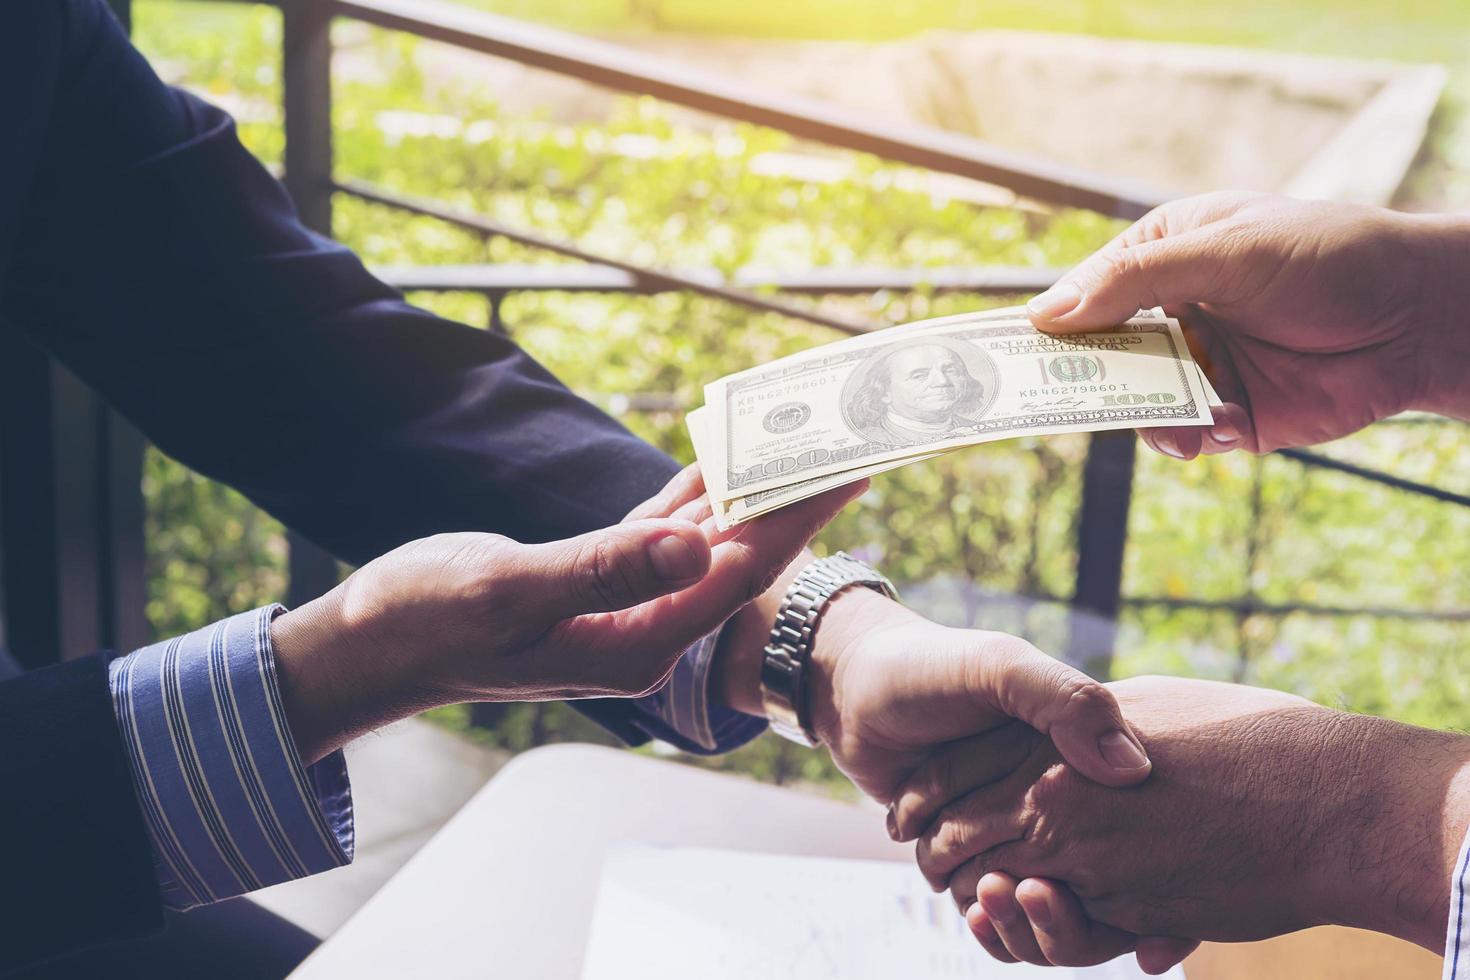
(614, 568)
(965, 830)
(984, 930)
(741, 569)
(1182, 443)
(1183, 215)
(1113, 284)
(695, 511)
(1232, 430)
(1081, 715)
(1066, 935)
(997, 896)
(685, 486)
(715, 536)
(1160, 954)
(955, 770)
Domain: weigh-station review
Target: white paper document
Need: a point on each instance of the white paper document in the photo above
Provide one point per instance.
(681, 913)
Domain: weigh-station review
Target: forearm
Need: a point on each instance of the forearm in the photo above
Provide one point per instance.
(1398, 830)
(1442, 244)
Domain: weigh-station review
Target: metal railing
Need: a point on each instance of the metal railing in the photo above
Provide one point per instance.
(82, 584)
(1108, 472)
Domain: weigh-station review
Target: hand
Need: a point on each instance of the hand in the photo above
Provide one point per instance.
(1265, 814)
(1313, 319)
(477, 617)
(888, 686)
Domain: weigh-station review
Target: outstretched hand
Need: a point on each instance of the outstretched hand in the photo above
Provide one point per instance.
(476, 617)
(1313, 319)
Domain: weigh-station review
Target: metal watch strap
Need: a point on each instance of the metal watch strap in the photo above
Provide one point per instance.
(784, 665)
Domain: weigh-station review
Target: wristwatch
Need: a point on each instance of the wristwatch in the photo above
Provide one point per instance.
(784, 666)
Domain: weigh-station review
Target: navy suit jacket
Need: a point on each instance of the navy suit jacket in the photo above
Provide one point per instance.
(143, 247)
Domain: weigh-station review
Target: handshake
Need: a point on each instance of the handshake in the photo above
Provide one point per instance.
(1071, 821)
(1064, 833)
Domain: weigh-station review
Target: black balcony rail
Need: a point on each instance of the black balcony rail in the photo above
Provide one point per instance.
(71, 555)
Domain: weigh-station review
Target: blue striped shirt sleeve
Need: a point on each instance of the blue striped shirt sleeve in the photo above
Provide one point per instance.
(1457, 942)
(683, 714)
(228, 805)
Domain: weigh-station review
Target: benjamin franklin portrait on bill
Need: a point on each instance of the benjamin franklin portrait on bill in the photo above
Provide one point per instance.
(921, 391)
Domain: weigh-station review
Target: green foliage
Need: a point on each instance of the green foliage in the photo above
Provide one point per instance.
(209, 552)
(1004, 516)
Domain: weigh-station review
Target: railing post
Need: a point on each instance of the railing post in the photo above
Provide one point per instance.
(124, 570)
(306, 35)
(1102, 534)
(495, 299)
(306, 42)
(71, 513)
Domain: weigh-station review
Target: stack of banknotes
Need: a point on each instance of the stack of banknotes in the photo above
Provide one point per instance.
(781, 432)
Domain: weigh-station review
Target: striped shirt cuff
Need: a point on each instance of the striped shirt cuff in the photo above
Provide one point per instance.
(1457, 943)
(228, 805)
(682, 713)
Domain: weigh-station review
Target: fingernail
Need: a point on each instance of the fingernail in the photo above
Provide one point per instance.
(1039, 913)
(1056, 302)
(1121, 752)
(1166, 443)
(673, 559)
(892, 822)
(1225, 433)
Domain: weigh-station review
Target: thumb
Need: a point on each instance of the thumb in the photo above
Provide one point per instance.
(613, 568)
(1080, 714)
(1118, 281)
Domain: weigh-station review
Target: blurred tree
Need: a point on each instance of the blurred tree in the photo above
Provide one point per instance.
(1001, 518)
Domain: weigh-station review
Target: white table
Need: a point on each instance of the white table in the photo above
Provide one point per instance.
(506, 889)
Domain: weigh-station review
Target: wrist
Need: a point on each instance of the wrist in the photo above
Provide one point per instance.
(853, 616)
(1397, 827)
(1440, 246)
(330, 691)
(737, 665)
(850, 615)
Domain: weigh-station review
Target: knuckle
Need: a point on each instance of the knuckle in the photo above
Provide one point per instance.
(1083, 698)
(602, 573)
(1115, 266)
(951, 838)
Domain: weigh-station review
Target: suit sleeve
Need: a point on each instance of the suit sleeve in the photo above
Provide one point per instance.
(166, 268)
(78, 869)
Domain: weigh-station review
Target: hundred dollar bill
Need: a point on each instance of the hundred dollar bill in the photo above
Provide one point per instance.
(744, 507)
(925, 388)
(1018, 313)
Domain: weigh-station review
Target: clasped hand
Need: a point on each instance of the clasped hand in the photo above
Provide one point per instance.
(1265, 814)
